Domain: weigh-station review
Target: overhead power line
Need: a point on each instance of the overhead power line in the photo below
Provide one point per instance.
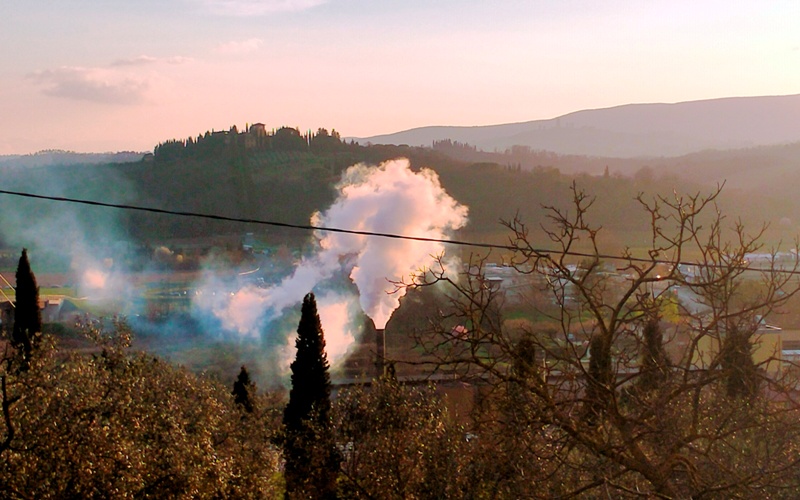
(306, 227)
(309, 227)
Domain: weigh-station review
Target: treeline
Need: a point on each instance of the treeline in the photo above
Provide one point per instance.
(527, 158)
(254, 138)
(56, 157)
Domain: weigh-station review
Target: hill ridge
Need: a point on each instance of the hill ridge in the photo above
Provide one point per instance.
(631, 130)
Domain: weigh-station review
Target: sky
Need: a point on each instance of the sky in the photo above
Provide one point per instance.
(116, 75)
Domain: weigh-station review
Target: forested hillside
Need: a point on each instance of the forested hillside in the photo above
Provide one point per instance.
(285, 176)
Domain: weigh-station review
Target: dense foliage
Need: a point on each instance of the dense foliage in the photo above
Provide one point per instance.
(127, 425)
(399, 443)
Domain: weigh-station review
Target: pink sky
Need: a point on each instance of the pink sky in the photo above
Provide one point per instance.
(95, 76)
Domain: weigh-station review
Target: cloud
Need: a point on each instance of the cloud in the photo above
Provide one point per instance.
(123, 81)
(236, 47)
(135, 61)
(144, 60)
(102, 85)
(258, 7)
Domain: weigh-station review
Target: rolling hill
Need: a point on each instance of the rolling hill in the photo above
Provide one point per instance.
(632, 130)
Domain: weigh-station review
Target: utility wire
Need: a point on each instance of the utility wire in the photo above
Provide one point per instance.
(308, 227)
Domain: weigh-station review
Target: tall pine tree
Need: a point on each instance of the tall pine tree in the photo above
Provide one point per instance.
(311, 458)
(27, 315)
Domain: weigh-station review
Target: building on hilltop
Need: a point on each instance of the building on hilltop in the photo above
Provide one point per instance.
(255, 136)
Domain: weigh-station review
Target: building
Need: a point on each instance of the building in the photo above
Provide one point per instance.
(49, 305)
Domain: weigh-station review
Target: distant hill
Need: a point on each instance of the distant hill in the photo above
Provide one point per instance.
(58, 157)
(632, 130)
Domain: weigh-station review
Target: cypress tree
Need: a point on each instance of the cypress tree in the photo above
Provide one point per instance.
(736, 360)
(27, 315)
(311, 458)
(600, 377)
(654, 367)
(243, 390)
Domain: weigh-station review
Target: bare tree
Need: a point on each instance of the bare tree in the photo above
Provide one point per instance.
(597, 402)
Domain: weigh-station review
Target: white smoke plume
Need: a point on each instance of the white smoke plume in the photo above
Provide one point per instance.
(390, 198)
(98, 279)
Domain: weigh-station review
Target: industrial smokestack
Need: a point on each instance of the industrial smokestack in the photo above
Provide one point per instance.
(376, 351)
(380, 351)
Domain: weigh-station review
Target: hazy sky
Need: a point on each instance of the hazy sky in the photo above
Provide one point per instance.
(90, 75)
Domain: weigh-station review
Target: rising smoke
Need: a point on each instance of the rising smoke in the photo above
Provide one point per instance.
(68, 238)
(350, 274)
(390, 198)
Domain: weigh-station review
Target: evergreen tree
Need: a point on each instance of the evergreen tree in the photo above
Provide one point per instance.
(736, 359)
(243, 391)
(27, 315)
(654, 363)
(600, 377)
(311, 458)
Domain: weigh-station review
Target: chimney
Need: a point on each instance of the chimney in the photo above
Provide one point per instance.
(378, 348)
(380, 351)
